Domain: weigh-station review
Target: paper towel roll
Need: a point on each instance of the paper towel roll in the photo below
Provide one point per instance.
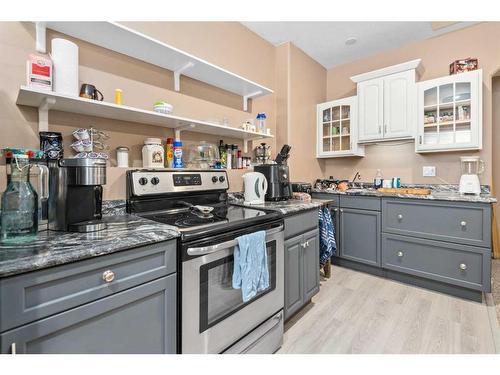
(65, 59)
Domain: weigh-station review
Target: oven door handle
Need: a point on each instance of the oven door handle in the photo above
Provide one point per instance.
(195, 251)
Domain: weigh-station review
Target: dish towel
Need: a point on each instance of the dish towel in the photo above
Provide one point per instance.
(251, 273)
(327, 244)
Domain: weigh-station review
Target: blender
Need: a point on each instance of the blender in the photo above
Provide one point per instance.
(471, 167)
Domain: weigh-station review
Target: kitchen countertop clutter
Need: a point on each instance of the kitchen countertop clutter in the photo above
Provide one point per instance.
(438, 192)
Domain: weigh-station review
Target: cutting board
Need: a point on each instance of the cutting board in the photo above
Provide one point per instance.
(413, 191)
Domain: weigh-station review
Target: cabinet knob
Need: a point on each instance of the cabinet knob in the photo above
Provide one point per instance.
(335, 209)
(400, 217)
(341, 210)
(463, 266)
(307, 243)
(108, 276)
(463, 223)
(400, 254)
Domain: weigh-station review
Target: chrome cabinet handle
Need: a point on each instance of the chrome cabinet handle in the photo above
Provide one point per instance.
(400, 217)
(335, 209)
(379, 129)
(108, 276)
(13, 348)
(341, 210)
(307, 243)
(400, 254)
(463, 266)
(463, 223)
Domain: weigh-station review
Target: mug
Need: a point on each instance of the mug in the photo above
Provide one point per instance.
(90, 92)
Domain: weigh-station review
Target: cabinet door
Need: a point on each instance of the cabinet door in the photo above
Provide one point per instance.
(399, 105)
(337, 129)
(360, 235)
(293, 276)
(450, 113)
(311, 264)
(371, 109)
(138, 320)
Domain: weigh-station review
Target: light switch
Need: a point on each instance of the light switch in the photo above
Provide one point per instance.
(429, 171)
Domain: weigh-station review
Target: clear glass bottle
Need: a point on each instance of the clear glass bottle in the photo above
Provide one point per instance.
(378, 180)
(19, 213)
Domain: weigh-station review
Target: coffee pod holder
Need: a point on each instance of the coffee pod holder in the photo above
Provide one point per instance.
(94, 137)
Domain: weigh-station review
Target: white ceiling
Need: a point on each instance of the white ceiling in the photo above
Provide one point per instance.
(325, 41)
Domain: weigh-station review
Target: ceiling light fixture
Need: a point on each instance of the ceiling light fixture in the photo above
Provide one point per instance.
(350, 41)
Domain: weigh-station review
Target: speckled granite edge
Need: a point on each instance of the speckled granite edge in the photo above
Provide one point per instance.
(438, 192)
(56, 248)
(288, 207)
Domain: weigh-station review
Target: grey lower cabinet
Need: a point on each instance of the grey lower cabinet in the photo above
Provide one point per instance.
(440, 245)
(74, 309)
(301, 261)
(140, 320)
(301, 271)
(360, 235)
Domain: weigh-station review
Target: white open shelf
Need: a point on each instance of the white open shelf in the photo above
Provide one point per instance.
(119, 38)
(45, 100)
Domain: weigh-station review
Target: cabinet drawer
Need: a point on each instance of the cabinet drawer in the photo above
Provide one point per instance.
(461, 265)
(454, 222)
(335, 198)
(39, 294)
(360, 202)
(300, 223)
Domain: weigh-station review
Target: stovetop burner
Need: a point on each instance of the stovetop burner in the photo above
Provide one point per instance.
(190, 218)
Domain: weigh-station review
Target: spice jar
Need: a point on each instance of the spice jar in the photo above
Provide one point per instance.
(122, 156)
(153, 154)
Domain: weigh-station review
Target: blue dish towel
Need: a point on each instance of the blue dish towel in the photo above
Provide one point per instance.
(327, 244)
(251, 272)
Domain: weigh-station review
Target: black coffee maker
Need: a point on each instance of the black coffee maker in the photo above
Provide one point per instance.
(75, 194)
(277, 176)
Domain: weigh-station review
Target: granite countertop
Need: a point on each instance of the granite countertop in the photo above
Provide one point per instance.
(52, 248)
(288, 207)
(438, 192)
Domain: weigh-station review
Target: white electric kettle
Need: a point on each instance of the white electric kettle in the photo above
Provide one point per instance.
(255, 187)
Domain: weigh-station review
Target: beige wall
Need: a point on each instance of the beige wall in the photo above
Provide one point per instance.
(398, 159)
(229, 45)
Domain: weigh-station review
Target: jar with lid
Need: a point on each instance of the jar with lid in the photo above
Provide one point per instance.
(122, 156)
(153, 154)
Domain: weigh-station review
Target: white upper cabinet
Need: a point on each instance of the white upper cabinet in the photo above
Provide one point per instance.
(450, 113)
(387, 103)
(371, 117)
(337, 129)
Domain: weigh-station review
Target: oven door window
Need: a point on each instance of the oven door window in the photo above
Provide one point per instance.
(218, 299)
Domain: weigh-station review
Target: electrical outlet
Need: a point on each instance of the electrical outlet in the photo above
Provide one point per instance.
(429, 171)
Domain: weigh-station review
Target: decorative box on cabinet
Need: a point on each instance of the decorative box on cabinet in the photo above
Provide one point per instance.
(450, 113)
(337, 129)
(387, 103)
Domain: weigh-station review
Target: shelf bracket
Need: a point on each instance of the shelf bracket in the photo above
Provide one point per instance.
(249, 96)
(177, 75)
(43, 114)
(41, 42)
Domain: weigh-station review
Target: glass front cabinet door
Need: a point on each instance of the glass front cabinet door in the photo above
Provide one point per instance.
(450, 113)
(337, 129)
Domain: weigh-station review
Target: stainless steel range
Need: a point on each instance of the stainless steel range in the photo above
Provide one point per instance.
(213, 316)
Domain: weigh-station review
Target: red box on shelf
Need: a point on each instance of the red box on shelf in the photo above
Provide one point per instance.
(463, 65)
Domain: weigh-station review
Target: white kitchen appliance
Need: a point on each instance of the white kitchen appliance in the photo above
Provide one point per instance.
(471, 167)
(255, 187)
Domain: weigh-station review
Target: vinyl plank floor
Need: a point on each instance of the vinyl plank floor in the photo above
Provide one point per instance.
(359, 313)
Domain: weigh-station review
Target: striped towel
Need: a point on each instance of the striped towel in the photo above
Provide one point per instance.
(327, 244)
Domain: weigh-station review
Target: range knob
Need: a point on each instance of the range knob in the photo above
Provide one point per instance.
(143, 181)
(222, 178)
(155, 180)
(214, 179)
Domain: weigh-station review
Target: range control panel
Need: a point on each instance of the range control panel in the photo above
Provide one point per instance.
(150, 182)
